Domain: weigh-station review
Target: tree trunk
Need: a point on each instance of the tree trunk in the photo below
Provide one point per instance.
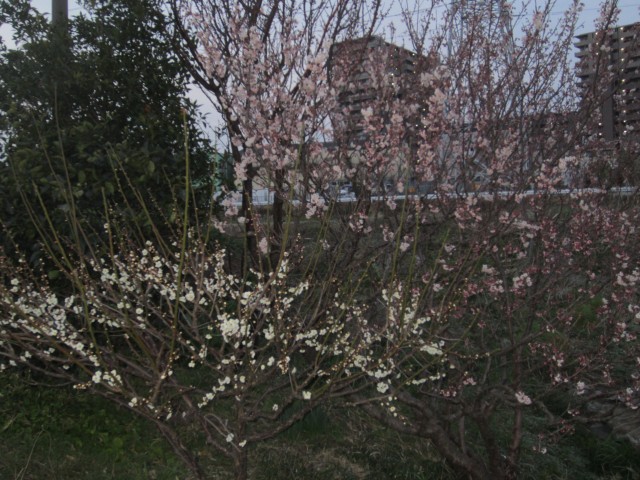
(251, 252)
(189, 459)
(240, 464)
(278, 218)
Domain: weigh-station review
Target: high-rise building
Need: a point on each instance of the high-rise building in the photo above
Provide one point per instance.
(615, 79)
(370, 73)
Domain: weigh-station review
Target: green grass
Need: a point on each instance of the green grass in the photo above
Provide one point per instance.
(60, 433)
(337, 444)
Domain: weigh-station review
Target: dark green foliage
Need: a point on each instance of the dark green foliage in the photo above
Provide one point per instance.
(58, 433)
(61, 433)
(586, 314)
(77, 106)
(608, 456)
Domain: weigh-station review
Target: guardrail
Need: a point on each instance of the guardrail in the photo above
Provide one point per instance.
(265, 197)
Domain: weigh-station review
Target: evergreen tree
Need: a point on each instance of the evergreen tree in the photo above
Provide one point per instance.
(94, 110)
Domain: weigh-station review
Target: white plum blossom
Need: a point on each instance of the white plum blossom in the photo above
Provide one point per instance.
(229, 327)
(523, 398)
(382, 387)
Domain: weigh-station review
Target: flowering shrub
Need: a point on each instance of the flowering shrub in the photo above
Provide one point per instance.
(176, 337)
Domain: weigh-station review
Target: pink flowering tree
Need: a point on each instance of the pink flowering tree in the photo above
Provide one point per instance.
(526, 298)
(264, 65)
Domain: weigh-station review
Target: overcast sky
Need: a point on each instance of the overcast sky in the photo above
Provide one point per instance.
(629, 13)
(629, 9)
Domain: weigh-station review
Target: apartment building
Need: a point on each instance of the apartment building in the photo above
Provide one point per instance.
(615, 78)
(371, 73)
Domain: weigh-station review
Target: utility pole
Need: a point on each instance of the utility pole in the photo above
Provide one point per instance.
(59, 11)
(60, 41)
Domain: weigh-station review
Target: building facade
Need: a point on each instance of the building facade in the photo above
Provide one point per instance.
(371, 73)
(615, 79)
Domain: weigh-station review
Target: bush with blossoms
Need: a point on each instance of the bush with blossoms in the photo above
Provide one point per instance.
(463, 290)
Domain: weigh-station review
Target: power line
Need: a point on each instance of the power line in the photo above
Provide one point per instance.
(404, 34)
(557, 12)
